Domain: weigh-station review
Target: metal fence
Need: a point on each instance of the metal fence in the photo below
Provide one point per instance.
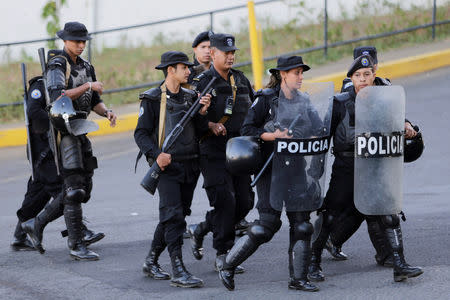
(433, 24)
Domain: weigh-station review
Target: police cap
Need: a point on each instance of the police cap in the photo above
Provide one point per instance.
(366, 50)
(223, 42)
(201, 37)
(74, 31)
(361, 62)
(172, 58)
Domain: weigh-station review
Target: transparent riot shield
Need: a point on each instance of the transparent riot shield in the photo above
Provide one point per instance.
(379, 126)
(298, 164)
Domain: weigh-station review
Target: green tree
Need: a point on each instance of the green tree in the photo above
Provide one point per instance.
(50, 13)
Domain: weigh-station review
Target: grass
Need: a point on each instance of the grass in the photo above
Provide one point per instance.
(122, 66)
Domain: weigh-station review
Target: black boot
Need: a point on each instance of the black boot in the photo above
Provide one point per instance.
(197, 232)
(35, 227)
(237, 270)
(152, 268)
(402, 270)
(21, 242)
(383, 257)
(335, 251)
(181, 277)
(315, 270)
(74, 222)
(89, 236)
(300, 258)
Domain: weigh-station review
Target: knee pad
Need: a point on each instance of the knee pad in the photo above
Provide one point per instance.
(87, 189)
(71, 154)
(260, 234)
(303, 230)
(390, 221)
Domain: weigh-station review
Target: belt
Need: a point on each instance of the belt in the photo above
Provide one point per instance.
(184, 157)
(343, 153)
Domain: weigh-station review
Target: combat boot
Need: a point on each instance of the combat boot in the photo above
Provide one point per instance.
(21, 242)
(74, 221)
(35, 227)
(383, 257)
(197, 232)
(89, 236)
(315, 270)
(300, 258)
(226, 272)
(152, 268)
(237, 270)
(181, 277)
(335, 251)
(402, 270)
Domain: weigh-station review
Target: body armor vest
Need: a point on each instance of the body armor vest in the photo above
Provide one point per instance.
(81, 74)
(344, 137)
(186, 143)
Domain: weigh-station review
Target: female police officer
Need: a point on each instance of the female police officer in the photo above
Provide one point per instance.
(261, 121)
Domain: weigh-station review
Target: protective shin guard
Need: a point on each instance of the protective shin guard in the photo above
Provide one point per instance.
(73, 216)
(242, 250)
(300, 259)
(379, 242)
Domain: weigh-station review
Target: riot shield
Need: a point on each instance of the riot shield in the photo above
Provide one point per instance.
(299, 161)
(379, 125)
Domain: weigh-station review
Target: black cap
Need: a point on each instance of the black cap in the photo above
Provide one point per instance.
(223, 42)
(74, 31)
(201, 37)
(364, 61)
(285, 63)
(366, 50)
(172, 58)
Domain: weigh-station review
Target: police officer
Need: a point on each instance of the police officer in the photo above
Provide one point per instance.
(344, 229)
(339, 203)
(161, 109)
(202, 55)
(230, 196)
(287, 78)
(46, 184)
(69, 74)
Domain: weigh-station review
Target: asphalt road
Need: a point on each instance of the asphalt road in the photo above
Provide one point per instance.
(128, 215)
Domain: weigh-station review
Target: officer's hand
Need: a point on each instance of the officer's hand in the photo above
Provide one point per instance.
(97, 86)
(111, 116)
(281, 134)
(409, 131)
(205, 101)
(163, 160)
(217, 128)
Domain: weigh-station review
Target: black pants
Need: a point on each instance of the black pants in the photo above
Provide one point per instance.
(46, 185)
(231, 198)
(175, 198)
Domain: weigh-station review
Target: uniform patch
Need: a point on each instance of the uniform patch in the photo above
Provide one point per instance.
(348, 84)
(141, 111)
(213, 93)
(364, 62)
(230, 42)
(36, 94)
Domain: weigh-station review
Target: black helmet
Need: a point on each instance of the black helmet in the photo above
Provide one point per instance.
(244, 155)
(413, 148)
(60, 109)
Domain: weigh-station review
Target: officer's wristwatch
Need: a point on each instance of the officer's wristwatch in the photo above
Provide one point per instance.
(105, 114)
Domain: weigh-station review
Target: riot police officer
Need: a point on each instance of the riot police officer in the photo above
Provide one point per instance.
(339, 201)
(69, 75)
(46, 183)
(282, 102)
(202, 55)
(161, 109)
(230, 196)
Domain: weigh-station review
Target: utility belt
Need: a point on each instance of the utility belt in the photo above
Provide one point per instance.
(184, 157)
(342, 153)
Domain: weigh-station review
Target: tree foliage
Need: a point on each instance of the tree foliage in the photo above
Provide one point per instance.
(50, 13)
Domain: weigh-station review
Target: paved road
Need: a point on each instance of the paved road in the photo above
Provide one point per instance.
(128, 215)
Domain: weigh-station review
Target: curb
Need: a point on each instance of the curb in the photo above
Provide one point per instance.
(394, 69)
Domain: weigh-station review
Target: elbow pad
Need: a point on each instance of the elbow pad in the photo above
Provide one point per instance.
(56, 76)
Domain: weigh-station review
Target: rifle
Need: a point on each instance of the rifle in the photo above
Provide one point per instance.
(27, 121)
(269, 160)
(151, 179)
(51, 132)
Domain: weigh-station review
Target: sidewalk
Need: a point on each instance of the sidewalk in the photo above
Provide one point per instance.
(393, 64)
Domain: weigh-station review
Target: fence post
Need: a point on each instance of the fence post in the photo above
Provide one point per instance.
(325, 30)
(211, 20)
(433, 32)
(255, 46)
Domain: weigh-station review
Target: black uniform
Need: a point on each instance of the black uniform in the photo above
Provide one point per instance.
(230, 196)
(339, 211)
(178, 181)
(77, 160)
(257, 121)
(196, 70)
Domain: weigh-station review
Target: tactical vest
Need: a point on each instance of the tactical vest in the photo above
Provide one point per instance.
(79, 75)
(186, 143)
(344, 137)
(242, 103)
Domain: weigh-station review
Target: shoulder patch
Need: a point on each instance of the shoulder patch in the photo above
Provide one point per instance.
(141, 111)
(254, 102)
(347, 85)
(36, 94)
